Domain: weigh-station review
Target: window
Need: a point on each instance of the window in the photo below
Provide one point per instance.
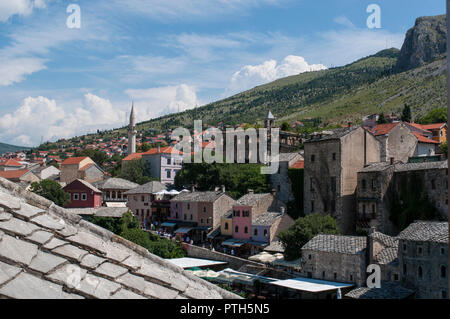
(142, 198)
(185, 216)
(176, 215)
(333, 184)
(419, 250)
(351, 277)
(169, 161)
(419, 272)
(255, 232)
(226, 226)
(444, 294)
(404, 269)
(246, 230)
(236, 213)
(335, 275)
(309, 257)
(402, 139)
(374, 184)
(311, 183)
(84, 196)
(333, 206)
(265, 233)
(204, 209)
(201, 221)
(404, 247)
(168, 174)
(312, 206)
(188, 206)
(442, 251)
(374, 211)
(192, 217)
(443, 272)
(364, 210)
(245, 213)
(363, 184)
(313, 158)
(334, 156)
(236, 229)
(395, 277)
(323, 274)
(433, 184)
(76, 196)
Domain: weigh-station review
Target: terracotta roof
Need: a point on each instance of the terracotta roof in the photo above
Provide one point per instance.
(49, 252)
(162, 150)
(85, 167)
(435, 126)
(15, 174)
(74, 160)
(383, 129)
(11, 162)
(133, 157)
(423, 139)
(299, 164)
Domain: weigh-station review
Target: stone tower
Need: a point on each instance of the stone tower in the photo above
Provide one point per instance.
(132, 132)
(269, 122)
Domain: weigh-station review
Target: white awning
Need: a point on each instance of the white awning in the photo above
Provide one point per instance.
(310, 285)
(187, 262)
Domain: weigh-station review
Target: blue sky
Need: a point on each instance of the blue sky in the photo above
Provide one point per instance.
(169, 55)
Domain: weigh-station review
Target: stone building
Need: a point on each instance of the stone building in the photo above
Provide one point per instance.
(383, 251)
(165, 162)
(114, 189)
(41, 245)
(281, 181)
(423, 259)
(140, 200)
(332, 161)
(336, 258)
(80, 168)
(83, 195)
(379, 184)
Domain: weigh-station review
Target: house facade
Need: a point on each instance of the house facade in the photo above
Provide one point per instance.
(83, 195)
(164, 163)
(80, 168)
(114, 189)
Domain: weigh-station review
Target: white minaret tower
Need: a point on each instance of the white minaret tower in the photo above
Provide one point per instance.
(132, 132)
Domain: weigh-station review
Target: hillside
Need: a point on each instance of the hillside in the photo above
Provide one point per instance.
(373, 84)
(5, 148)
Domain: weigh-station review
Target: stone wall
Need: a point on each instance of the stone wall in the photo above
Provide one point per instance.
(233, 262)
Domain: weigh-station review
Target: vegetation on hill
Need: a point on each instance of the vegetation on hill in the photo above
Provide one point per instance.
(303, 230)
(6, 148)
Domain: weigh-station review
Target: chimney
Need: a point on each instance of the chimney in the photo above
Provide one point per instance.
(159, 149)
(223, 188)
(283, 210)
(392, 160)
(250, 191)
(193, 188)
(216, 189)
(370, 243)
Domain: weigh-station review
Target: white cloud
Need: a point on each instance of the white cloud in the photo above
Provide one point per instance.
(8, 8)
(15, 70)
(42, 117)
(343, 20)
(252, 75)
(154, 102)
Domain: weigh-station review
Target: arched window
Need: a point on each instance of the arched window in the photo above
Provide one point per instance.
(443, 271)
(255, 232)
(226, 226)
(246, 229)
(236, 229)
(420, 272)
(364, 184)
(265, 233)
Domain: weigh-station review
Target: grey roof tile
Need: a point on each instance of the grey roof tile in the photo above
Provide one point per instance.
(89, 241)
(337, 244)
(54, 243)
(44, 262)
(149, 188)
(92, 261)
(5, 216)
(115, 183)
(7, 272)
(18, 227)
(158, 291)
(421, 166)
(208, 196)
(70, 251)
(9, 202)
(126, 294)
(388, 290)
(266, 219)
(49, 222)
(426, 231)
(17, 250)
(111, 270)
(251, 199)
(97, 287)
(40, 237)
(68, 275)
(27, 211)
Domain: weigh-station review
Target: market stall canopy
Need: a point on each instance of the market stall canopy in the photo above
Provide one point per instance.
(310, 285)
(265, 257)
(187, 262)
(184, 230)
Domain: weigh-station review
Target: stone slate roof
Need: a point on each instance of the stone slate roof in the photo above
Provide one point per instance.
(337, 244)
(266, 219)
(100, 212)
(390, 252)
(421, 166)
(47, 252)
(250, 199)
(276, 247)
(386, 240)
(376, 167)
(426, 231)
(88, 185)
(116, 183)
(149, 188)
(198, 196)
(388, 290)
(287, 157)
(331, 135)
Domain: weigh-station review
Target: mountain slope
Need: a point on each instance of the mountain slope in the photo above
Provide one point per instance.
(5, 148)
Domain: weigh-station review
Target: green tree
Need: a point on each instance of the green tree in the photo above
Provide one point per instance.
(285, 126)
(438, 115)
(97, 156)
(144, 147)
(381, 119)
(136, 171)
(406, 114)
(52, 191)
(444, 148)
(303, 230)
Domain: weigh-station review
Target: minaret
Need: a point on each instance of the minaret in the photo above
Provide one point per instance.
(132, 132)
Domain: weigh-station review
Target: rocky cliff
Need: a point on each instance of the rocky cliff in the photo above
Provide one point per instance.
(424, 42)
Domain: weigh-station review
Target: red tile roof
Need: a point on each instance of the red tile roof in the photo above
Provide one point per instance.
(133, 157)
(383, 129)
(299, 164)
(14, 174)
(85, 167)
(436, 126)
(162, 150)
(11, 162)
(74, 160)
(423, 139)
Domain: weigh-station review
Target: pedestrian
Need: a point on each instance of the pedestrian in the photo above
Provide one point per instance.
(232, 252)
